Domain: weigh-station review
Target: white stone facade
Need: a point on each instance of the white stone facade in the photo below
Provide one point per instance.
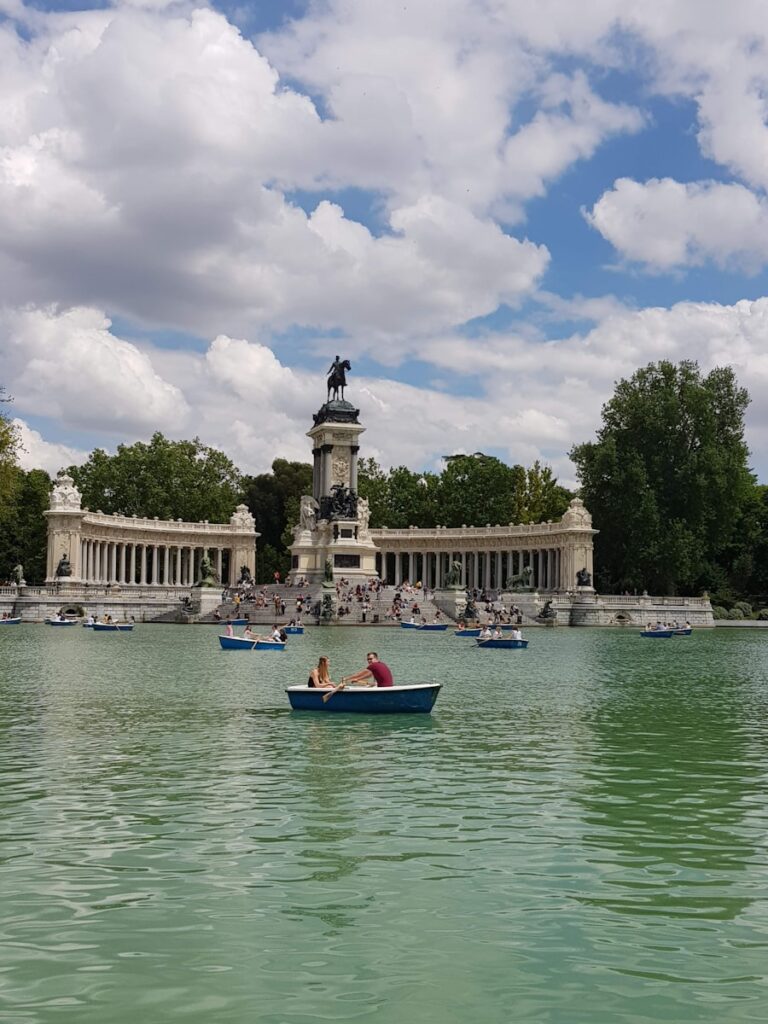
(131, 551)
(491, 557)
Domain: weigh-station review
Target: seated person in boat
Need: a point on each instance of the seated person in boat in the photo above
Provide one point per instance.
(515, 634)
(248, 634)
(320, 676)
(376, 674)
(497, 634)
(485, 633)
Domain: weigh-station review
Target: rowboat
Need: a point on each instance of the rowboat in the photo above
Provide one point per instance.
(60, 622)
(236, 622)
(504, 643)
(112, 627)
(467, 632)
(430, 627)
(10, 622)
(294, 630)
(242, 643)
(409, 625)
(369, 700)
(658, 634)
(683, 631)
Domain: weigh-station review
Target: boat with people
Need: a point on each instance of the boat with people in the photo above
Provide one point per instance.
(11, 620)
(467, 631)
(370, 700)
(502, 643)
(243, 643)
(658, 634)
(430, 627)
(112, 627)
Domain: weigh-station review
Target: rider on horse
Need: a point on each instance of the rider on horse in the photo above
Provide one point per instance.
(337, 379)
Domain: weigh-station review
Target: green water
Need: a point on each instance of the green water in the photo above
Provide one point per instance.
(576, 834)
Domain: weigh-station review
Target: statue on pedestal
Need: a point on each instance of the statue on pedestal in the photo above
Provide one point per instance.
(63, 568)
(245, 574)
(207, 574)
(337, 378)
(583, 578)
(18, 575)
(453, 579)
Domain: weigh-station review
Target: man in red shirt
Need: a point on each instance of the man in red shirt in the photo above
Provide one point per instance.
(376, 670)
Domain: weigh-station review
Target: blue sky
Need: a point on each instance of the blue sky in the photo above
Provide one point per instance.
(487, 213)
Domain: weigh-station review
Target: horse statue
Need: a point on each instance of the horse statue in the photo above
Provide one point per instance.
(337, 378)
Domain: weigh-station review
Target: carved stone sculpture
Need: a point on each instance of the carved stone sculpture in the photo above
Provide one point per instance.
(64, 494)
(63, 568)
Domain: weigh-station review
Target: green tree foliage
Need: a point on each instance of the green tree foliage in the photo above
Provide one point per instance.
(667, 480)
(23, 526)
(168, 479)
(9, 450)
(472, 490)
(274, 499)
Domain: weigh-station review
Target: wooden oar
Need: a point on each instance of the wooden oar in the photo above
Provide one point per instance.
(327, 696)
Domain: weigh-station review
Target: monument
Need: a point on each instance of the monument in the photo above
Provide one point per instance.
(333, 520)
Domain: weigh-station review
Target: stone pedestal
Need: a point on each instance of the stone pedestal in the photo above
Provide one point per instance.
(333, 526)
(205, 600)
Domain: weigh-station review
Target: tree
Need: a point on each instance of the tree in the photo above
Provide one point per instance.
(168, 479)
(9, 450)
(478, 489)
(23, 528)
(274, 499)
(667, 478)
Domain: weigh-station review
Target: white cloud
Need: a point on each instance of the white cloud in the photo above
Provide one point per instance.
(665, 223)
(69, 365)
(37, 453)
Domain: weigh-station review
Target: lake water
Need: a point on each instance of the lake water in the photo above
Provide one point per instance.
(576, 834)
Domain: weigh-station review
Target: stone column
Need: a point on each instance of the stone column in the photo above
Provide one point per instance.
(353, 450)
(439, 557)
(113, 563)
(464, 576)
(326, 471)
(143, 566)
(121, 573)
(425, 568)
(219, 565)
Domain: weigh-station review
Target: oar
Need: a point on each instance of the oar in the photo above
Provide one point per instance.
(327, 696)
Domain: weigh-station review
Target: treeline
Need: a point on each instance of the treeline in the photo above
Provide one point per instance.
(667, 480)
(668, 483)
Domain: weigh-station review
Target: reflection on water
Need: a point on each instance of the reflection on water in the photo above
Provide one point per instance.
(575, 834)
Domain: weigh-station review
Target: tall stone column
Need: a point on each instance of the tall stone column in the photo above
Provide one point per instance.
(464, 577)
(143, 566)
(219, 565)
(353, 450)
(167, 564)
(113, 563)
(133, 563)
(122, 563)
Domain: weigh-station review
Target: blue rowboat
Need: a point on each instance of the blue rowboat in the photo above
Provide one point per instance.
(294, 630)
(61, 622)
(658, 634)
(409, 625)
(241, 643)
(467, 632)
(10, 622)
(367, 700)
(236, 622)
(112, 627)
(433, 627)
(682, 632)
(505, 643)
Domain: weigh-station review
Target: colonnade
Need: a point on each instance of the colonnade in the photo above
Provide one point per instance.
(481, 570)
(127, 563)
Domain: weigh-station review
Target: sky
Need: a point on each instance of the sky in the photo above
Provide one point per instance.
(495, 209)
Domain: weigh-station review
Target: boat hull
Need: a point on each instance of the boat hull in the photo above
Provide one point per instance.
(467, 632)
(367, 700)
(426, 627)
(682, 632)
(294, 630)
(240, 643)
(505, 643)
(658, 634)
(10, 622)
(66, 622)
(112, 627)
